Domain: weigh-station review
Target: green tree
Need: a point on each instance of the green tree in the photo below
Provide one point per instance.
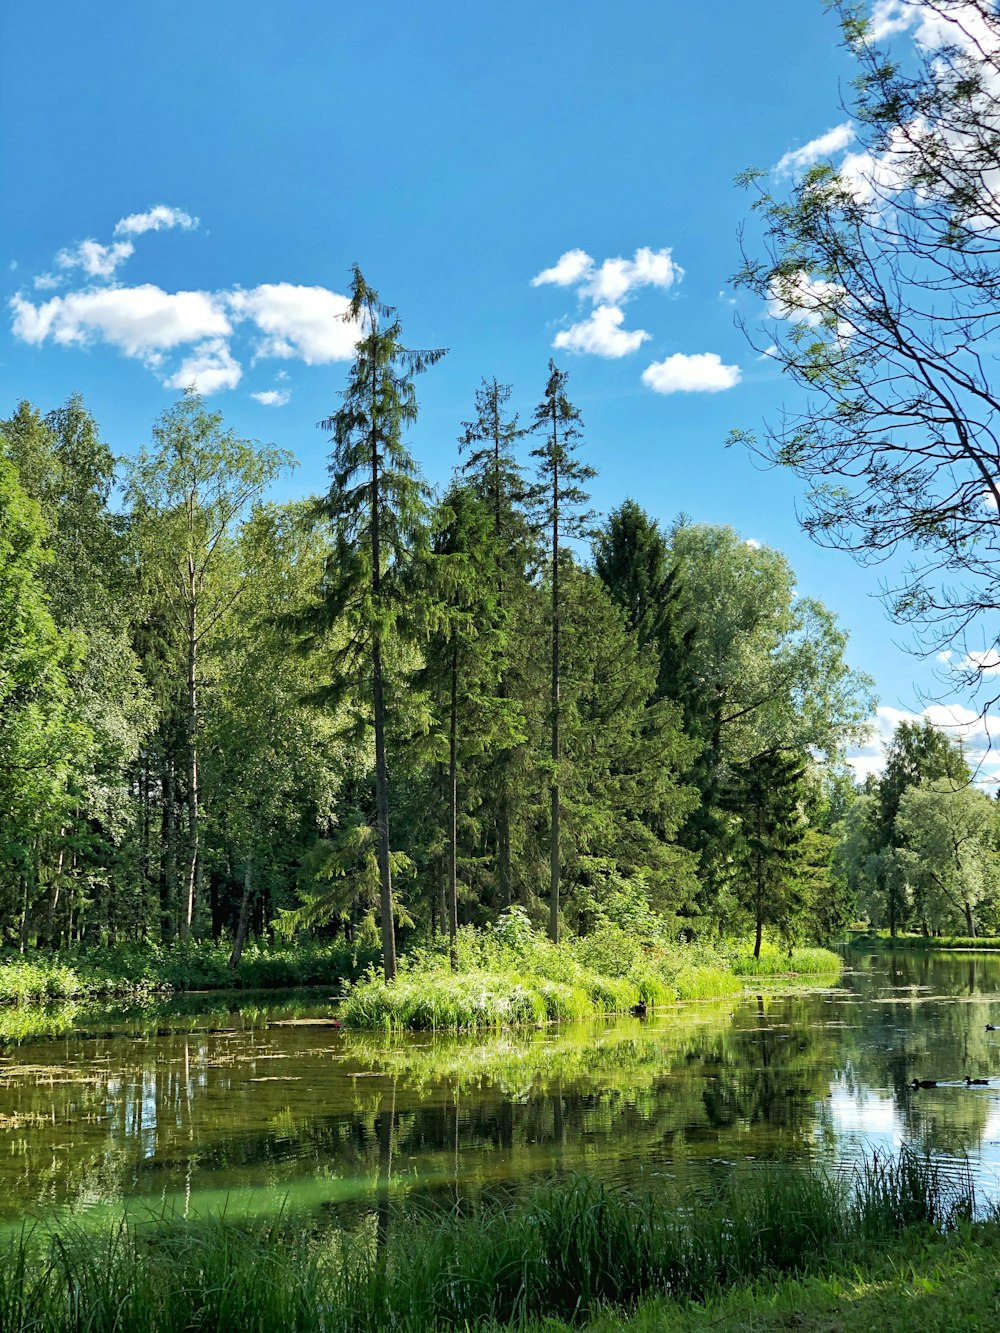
(948, 836)
(768, 673)
(40, 739)
(466, 652)
(188, 497)
(377, 505)
(492, 467)
(766, 794)
(559, 500)
(881, 276)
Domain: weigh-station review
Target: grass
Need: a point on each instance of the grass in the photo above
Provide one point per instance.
(138, 971)
(569, 1252)
(510, 975)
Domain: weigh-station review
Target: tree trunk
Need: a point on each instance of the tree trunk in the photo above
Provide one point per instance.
(969, 923)
(555, 856)
(192, 870)
(503, 845)
(453, 813)
(243, 924)
(382, 818)
(168, 862)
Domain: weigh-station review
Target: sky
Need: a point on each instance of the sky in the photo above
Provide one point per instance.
(186, 187)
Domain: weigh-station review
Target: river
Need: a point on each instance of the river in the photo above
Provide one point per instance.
(257, 1104)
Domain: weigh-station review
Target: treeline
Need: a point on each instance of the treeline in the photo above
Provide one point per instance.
(386, 709)
(919, 847)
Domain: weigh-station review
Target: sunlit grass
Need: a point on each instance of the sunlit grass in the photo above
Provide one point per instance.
(138, 971)
(564, 1252)
(511, 975)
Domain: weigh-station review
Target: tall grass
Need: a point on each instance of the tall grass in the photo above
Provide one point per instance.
(561, 1253)
(136, 971)
(509, 974)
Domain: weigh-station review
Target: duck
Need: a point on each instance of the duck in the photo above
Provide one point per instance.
(976, 1082)
(923, 1083)
(639, 1010)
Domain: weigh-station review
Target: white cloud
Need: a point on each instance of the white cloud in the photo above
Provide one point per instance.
(158, 218)
(961, 724)
(945, 656)
(985, 663)
(306, 323)
(753, 543)
(567, 271)
(816, 150)
(890, 17)
(702, 372)
(209, 367)
(989, 501)
(607, 286)
(602, 334)
(45, 282)
(272, 397)
(617, 278)
(96, 260)
(142, 321)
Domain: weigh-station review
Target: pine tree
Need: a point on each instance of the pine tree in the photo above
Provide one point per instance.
(377, 504)
(559, 500)
(765, 796)
(493, 469)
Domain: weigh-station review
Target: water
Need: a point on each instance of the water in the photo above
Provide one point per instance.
(215, 1103)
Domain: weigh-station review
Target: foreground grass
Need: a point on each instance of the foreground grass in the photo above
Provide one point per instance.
(928, 1282)
(510, 975)
(137, 971)
(564, 1255)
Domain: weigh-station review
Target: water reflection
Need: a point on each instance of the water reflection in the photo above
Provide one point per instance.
(192, 1109)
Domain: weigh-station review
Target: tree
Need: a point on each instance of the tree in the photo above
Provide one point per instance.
(39, 737)
(767, 676)
(949, 836)
(188, 499)
(765, 795)
(491, 466)
(459, 588)
(377, 505)
(882, 281)
(919, 754)
(559, 500)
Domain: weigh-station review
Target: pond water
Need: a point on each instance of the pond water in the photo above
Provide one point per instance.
(250, 1104)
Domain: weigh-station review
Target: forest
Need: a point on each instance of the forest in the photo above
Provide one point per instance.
(384, 712)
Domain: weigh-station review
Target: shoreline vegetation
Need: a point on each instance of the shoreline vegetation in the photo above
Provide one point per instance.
(509, 975)
(897, 1234)
(505, 975)
(882, 940)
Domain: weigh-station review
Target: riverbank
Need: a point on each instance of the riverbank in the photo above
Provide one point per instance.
(510, 975)
(567, 1253)
(135, 972)
(507, 975)
(881, 939)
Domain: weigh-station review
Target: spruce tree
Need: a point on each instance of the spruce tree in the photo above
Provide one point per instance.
(377, 504)
(559, 501)
(491, 466)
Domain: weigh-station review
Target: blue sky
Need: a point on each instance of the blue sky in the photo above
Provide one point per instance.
(230, 161)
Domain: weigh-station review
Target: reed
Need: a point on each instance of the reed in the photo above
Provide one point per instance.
(564, 1252)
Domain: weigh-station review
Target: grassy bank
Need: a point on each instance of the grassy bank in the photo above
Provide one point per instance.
(881, 939)
(567, 1253)
(137, 971)
(511, 975)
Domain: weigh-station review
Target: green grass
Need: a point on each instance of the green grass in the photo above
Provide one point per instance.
(511, 975)
(569, 1252)
(138, 971)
